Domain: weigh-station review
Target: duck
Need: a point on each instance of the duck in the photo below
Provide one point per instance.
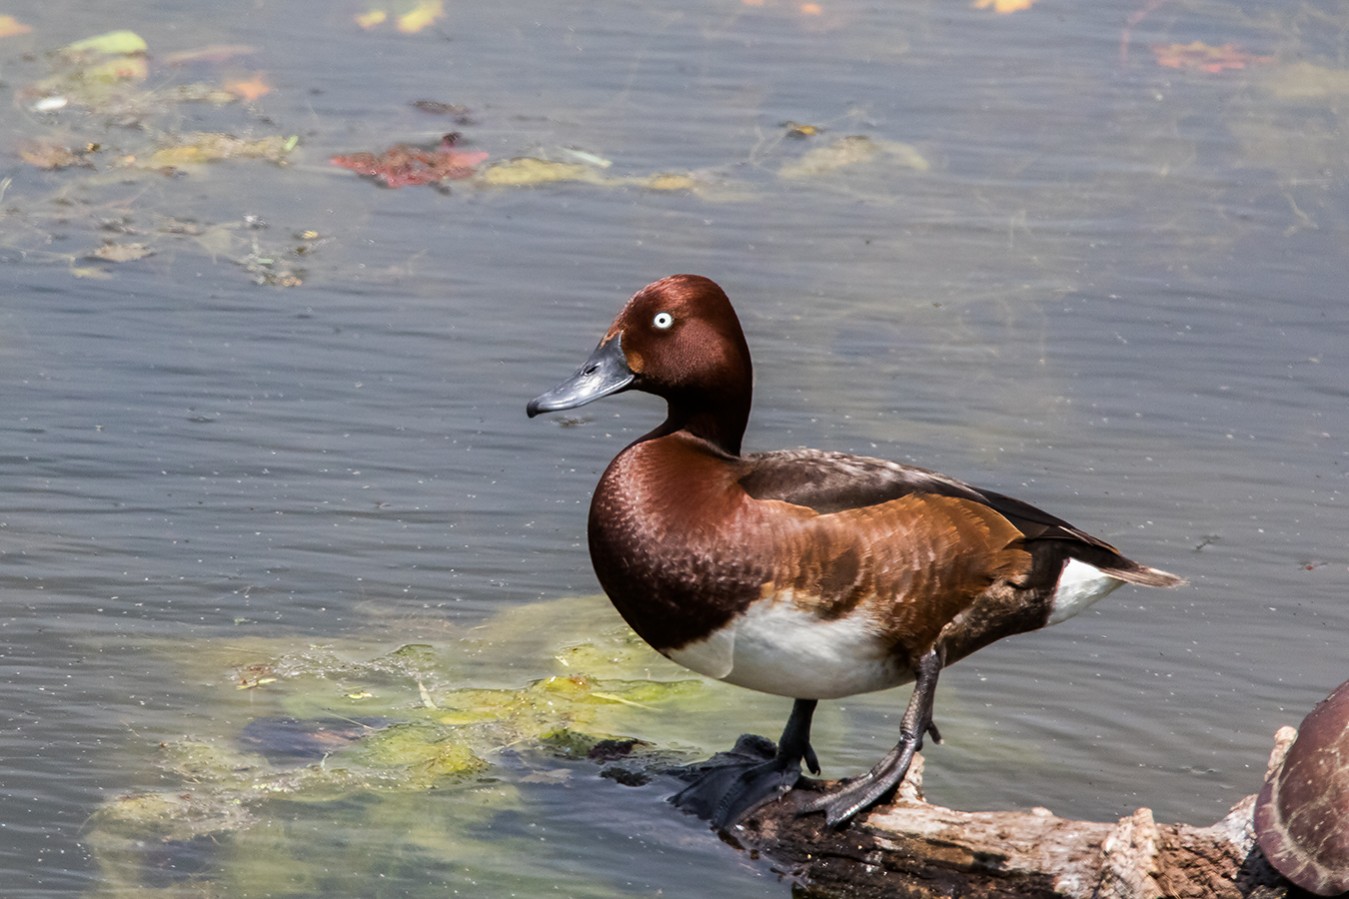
(802, 573)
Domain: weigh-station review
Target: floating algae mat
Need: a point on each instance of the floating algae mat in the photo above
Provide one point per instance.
(367, 756)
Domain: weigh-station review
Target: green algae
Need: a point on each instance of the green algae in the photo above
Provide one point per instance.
(366, 733)
(423, 755)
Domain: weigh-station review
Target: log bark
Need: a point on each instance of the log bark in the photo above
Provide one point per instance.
(912, 849)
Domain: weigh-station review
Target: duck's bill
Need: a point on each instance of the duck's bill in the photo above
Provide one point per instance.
(605, 372)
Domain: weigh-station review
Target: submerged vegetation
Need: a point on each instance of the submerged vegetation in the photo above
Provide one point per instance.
(370, 733)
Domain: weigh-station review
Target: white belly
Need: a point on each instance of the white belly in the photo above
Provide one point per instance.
(777, 648)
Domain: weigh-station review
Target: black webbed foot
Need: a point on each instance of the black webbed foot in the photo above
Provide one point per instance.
(733, 784)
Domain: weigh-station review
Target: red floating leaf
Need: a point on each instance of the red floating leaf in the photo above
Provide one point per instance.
(404, 165)
(1203, 57)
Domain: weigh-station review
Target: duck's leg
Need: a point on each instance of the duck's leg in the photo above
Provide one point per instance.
(863, 792)
(753, 773)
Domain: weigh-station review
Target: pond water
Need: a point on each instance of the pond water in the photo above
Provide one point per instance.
(1065, 253)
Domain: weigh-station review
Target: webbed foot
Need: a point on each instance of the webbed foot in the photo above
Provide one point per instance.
(731, 785)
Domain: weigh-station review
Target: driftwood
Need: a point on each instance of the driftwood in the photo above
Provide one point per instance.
(912, 848)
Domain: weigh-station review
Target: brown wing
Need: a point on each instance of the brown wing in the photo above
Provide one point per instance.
(909, 565)
(838, 482)
(834, 482)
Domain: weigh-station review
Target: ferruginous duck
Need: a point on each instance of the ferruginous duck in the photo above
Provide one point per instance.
(803, 573)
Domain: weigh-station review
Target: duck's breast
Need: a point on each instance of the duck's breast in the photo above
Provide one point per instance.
(667, 543)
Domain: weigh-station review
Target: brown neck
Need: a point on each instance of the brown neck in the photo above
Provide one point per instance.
(722, 424)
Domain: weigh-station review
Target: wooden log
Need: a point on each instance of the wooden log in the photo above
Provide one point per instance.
(912, 849)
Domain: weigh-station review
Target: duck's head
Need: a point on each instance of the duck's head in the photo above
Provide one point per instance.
(680, 339)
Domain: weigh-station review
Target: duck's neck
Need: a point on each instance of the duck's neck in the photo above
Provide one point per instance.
(714, 402)
(720, 421)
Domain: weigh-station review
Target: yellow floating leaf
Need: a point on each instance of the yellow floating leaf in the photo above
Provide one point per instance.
(372, 18)
(10, 26)
(172, 157)
(113, 43)
(797, 129)
(422, 15)
(211, 53)
(667, 181)
(812, 9)
(528, 172)
(194, 149)
(1003, 7)
(249, 89)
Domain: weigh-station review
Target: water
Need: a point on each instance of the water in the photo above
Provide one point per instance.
(1116, 291)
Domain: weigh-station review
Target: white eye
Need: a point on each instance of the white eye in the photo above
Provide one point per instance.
(663, 320)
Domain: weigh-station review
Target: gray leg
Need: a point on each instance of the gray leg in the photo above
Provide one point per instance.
(865, 791)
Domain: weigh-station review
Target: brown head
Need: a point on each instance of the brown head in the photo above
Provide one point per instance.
(680, 339)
